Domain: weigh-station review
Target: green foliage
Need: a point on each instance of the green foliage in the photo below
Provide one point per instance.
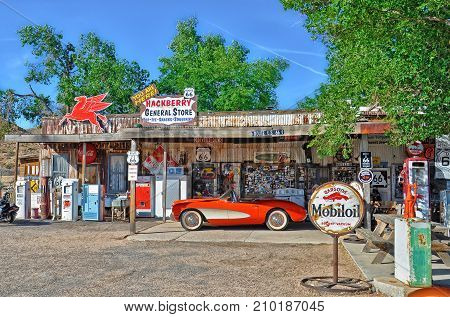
(220, 74)
(392, 54)
(89, 69)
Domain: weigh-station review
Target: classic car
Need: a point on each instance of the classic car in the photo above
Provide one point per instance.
(228, 210)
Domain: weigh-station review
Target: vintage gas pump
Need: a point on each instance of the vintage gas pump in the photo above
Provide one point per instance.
(69, 197)
(415, 171)
(23, 199)
(413, 231)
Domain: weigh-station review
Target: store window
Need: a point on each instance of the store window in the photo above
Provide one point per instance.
(60, 165)
(117, 174)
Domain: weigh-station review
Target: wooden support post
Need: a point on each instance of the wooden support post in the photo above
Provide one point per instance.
(16, 164)
(16, 168)
(83, 164)
(364, 147)
(133, 197)
(164, 192)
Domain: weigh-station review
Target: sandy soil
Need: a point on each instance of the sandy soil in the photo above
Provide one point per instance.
(94, 259)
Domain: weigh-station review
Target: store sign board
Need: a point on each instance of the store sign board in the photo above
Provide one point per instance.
(144, 95)
(169, 110)
(86, 109)
(203, 154)
(132, 172)
(366, 160)
(365, 176)
(208, 140)
(269, 132)
(336, 208)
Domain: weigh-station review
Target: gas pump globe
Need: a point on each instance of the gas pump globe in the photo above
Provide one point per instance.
(415, 171)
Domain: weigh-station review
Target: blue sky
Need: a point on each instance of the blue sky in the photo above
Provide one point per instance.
(142, 31)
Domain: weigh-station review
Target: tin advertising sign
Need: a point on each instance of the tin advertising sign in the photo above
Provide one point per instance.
(336, 208)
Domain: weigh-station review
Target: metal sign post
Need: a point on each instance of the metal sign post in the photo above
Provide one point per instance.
(164, 192)
(133, 195)
(336, 208)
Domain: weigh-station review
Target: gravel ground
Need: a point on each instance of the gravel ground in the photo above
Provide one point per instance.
(93, 259)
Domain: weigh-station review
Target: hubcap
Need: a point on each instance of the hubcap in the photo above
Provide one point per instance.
(192, 220)
(276, 220)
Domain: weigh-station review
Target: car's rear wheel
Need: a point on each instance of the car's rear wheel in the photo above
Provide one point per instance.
(277, 220)
(191, 220)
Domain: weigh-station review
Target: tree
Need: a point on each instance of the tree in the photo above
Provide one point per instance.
(387, 53)
(89, 69)
(220, 74)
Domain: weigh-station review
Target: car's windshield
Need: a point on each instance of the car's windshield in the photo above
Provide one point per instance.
(226, 194)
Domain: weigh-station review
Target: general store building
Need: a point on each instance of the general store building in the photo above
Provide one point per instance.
(262, 153)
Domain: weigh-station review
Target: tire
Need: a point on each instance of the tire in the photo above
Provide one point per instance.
(191, 220)
(277, 220)
(11, 217)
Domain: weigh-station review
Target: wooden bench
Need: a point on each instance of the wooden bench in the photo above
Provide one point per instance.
(385, 245)
(382, 238)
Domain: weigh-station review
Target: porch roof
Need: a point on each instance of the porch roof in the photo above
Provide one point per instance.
(179, 132)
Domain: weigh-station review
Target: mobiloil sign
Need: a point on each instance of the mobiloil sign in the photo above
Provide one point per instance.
(336, 208)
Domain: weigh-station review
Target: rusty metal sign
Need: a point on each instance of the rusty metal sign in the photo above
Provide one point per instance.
(336, 208)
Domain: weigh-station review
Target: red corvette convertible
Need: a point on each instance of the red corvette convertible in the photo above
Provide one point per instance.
(228, 210)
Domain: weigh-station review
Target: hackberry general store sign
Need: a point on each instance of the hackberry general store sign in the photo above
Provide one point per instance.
(336, 208)
(170, 110)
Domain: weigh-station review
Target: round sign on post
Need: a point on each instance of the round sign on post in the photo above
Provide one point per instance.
(365, 176)
(336, 209)
(415, 149)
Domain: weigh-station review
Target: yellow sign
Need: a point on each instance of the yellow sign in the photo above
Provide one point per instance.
(376, 160)
(139, 98)
(34, 186)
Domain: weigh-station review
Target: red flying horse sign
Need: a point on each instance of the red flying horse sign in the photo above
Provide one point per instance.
(86, 110)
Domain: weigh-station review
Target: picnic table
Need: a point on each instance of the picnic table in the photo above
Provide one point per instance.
(382, 238)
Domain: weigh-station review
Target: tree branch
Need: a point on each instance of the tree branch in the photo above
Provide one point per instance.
(33, 94)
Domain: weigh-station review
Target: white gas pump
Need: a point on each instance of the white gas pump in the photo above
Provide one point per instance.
(69, 197)
(416, 172)
(23, 199)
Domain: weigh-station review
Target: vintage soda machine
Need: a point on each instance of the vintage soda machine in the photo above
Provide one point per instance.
(69, 197)
(177, 188)
(92, 204)
(23, 199)
(416, 171)
(145, 196)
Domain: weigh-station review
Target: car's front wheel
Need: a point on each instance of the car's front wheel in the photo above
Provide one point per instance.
(191, 220)
(277, 220)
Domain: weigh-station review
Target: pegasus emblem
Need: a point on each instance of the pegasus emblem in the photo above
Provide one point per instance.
(86, 109)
